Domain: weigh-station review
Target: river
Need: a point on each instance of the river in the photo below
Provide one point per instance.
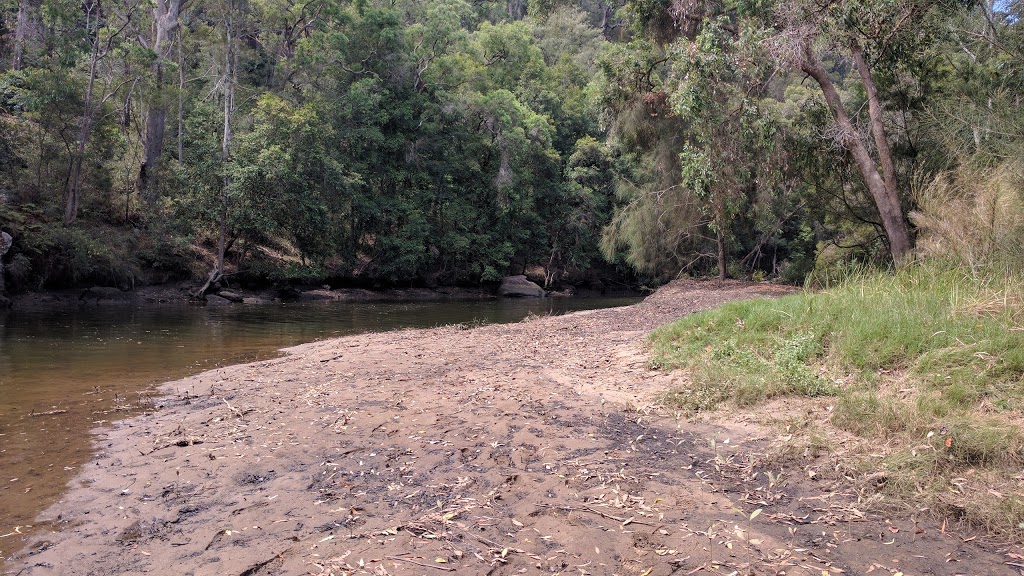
(66, 371)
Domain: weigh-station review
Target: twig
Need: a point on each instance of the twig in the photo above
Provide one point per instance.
(599, 513)
(424, 564)
(179, 443)
(232, 408)
(490, 543)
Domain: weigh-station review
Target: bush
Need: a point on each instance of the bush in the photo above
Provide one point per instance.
(974, 216)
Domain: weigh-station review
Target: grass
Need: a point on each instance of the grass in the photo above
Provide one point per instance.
(927, 361)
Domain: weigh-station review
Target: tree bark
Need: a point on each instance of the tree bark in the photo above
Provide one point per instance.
(875, 112)
(884, 191)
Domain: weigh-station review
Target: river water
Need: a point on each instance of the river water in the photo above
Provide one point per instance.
(67, 371)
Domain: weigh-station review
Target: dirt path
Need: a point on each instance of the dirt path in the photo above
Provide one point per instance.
(517, 449)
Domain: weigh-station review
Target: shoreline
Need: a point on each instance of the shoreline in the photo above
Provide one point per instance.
(534, 446)
(178, 294)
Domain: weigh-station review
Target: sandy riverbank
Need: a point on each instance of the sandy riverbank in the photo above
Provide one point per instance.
(527, 448)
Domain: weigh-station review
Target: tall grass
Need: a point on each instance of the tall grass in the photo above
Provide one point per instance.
(929, 359)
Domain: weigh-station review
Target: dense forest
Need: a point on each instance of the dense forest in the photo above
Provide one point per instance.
(453, 142)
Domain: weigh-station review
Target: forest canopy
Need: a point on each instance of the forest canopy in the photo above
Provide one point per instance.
(443, 142)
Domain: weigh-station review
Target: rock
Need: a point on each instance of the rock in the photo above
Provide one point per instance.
(214, 300)
(229, 295)
(5, 303)
(106, 294)
(519, 286)
(5, 245)
(256, 300)
(317, 296)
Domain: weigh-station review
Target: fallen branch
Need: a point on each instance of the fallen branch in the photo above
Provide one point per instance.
(48, 413)
(256, 568)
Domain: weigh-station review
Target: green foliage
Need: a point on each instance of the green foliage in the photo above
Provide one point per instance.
(51, 256)
(456, 142)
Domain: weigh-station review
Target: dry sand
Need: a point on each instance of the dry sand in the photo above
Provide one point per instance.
(529, 448)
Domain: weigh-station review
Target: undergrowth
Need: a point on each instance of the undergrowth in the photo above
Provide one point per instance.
(928, 361)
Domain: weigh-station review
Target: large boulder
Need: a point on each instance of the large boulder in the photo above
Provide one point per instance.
(520, 287)
(214, 300)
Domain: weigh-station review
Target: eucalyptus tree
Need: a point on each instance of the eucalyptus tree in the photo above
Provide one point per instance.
(868, 34)
(165, 22)
(105, 29)
(23, 22)
(876, 39)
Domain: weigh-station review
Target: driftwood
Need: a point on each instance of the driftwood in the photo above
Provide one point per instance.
(214, 278)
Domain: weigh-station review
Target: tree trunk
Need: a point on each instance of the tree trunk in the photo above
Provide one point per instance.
(883, 190)
(20, 32)
(71, 206)
(723, 263)
(230, 63)
(229, 109)
(181, 103)
(165, 20)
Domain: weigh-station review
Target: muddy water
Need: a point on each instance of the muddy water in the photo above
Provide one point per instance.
(66, 371)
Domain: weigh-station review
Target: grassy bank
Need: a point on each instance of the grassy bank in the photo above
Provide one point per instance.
(926, 363)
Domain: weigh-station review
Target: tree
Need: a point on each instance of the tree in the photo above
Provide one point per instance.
(805, 29)
(103, 40)
(165, 23)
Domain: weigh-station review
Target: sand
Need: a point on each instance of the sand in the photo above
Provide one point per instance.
(530, 448)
